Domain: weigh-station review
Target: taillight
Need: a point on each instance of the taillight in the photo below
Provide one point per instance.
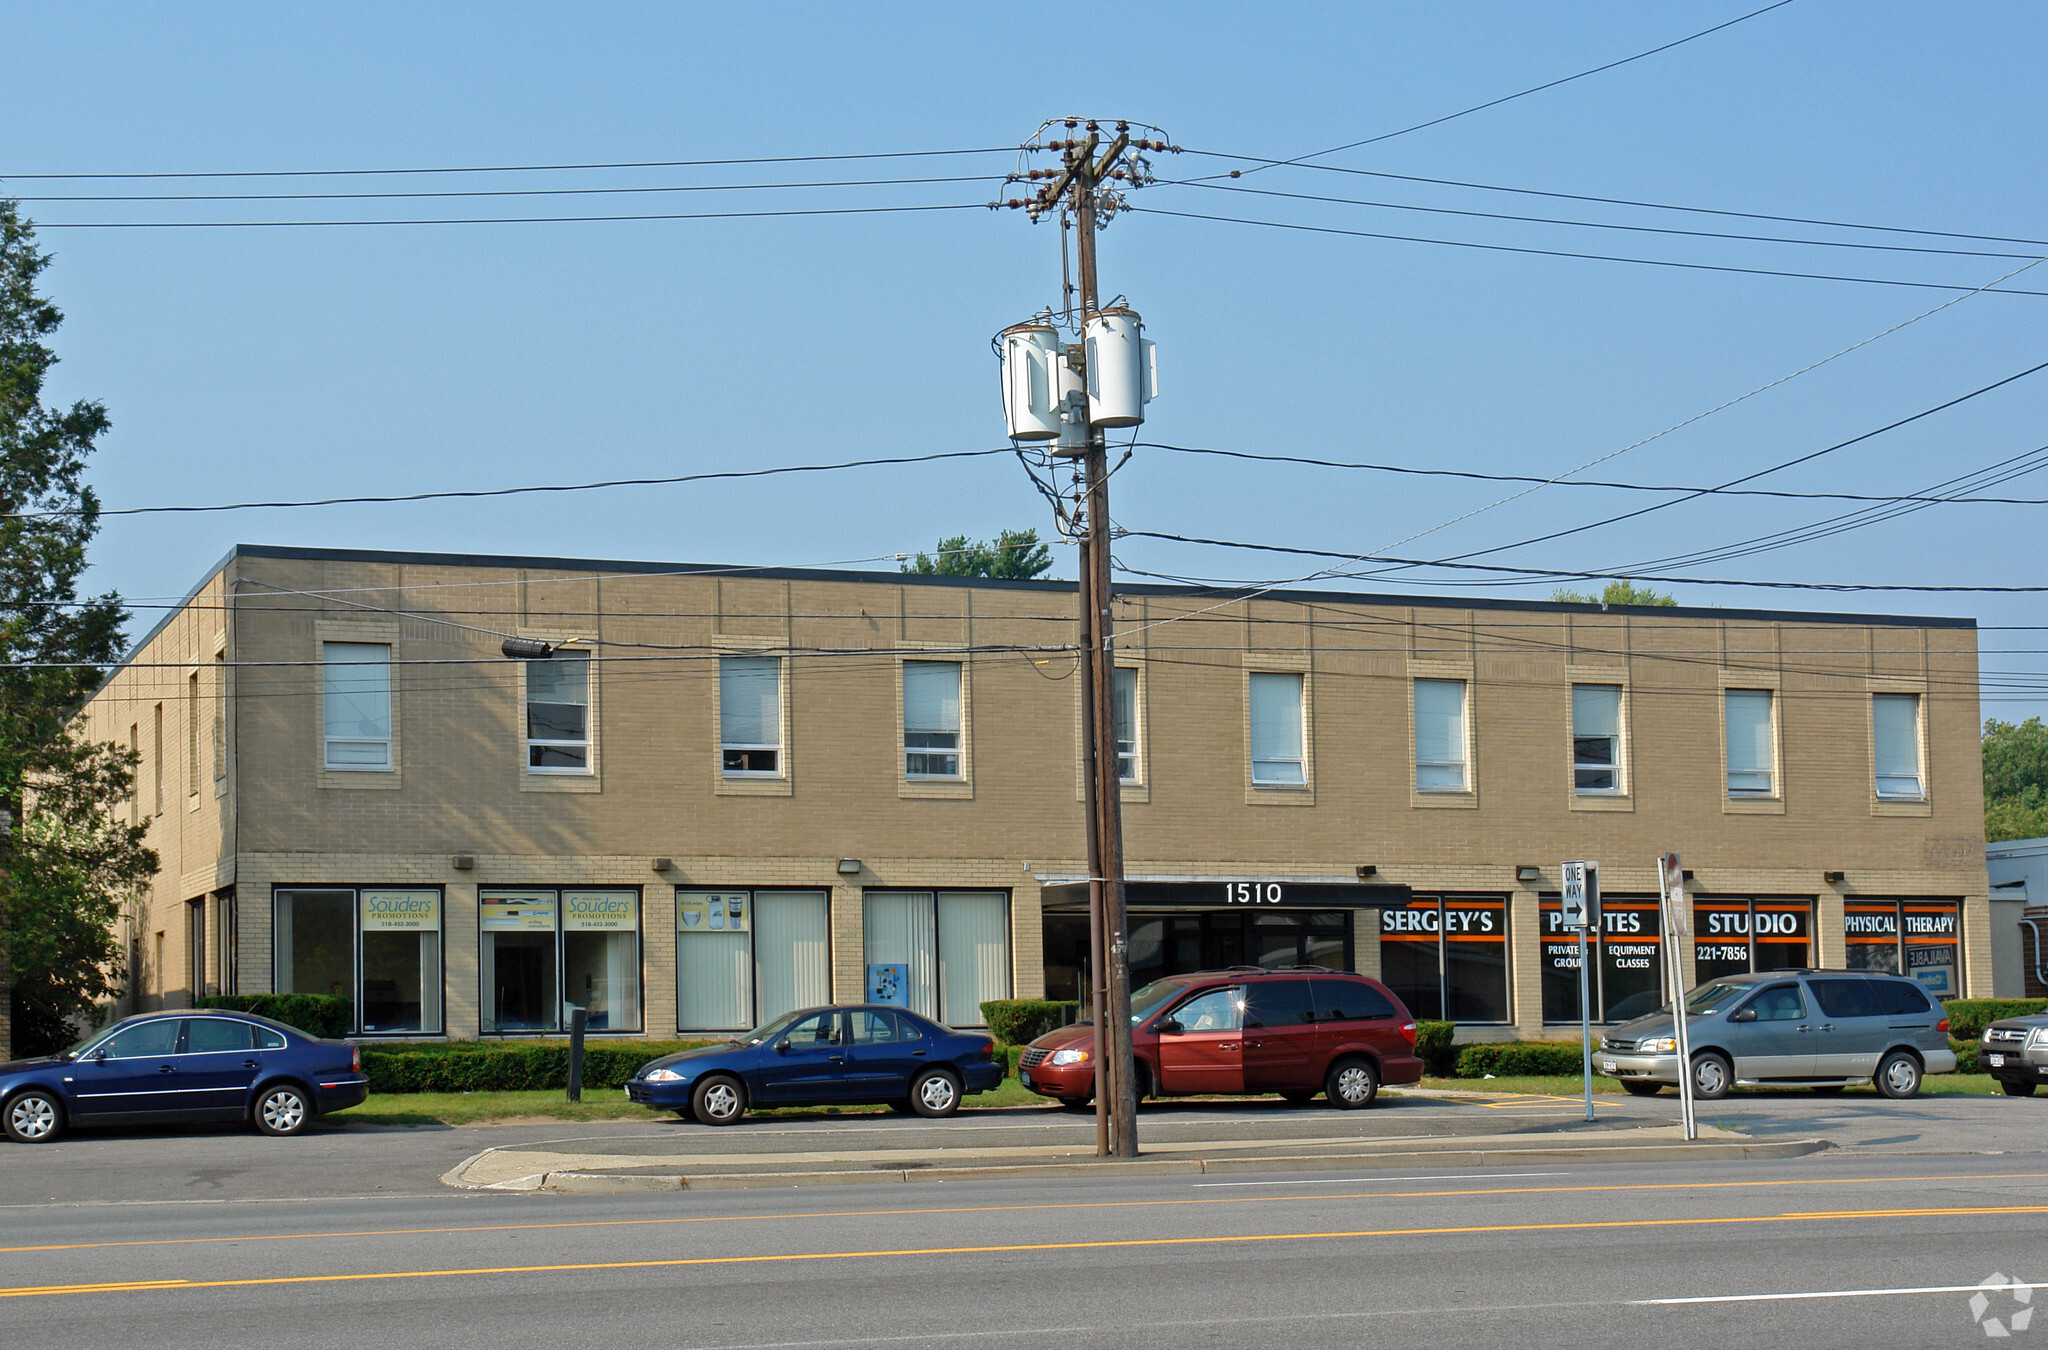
(1408, 1032)
(355, 1057)
(1942, 1026)
(988, 1048)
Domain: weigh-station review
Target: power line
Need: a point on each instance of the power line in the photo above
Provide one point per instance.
(515, 192)
(1536, 89)
(1474, 474)
(495, 220)
(1591, 224)
(517, 491)
(1541, 573)
(1567, 253)
(515, 168)
(1622, 201)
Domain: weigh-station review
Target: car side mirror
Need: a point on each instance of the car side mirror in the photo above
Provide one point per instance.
(1167, 1026)
(782, 1046)
(1743, 1015)
(100, 1053)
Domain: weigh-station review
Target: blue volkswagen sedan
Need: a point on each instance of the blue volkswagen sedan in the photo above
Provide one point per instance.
(820, 1057)
(190, 1066)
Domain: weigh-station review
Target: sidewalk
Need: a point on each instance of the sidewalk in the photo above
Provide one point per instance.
(1404, 1131)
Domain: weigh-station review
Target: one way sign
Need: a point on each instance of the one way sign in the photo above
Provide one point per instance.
(1581, 894)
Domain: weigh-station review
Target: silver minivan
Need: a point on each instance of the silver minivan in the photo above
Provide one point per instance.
(1822, 1029)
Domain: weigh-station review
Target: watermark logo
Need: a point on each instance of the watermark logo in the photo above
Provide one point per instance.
(2001, 1318)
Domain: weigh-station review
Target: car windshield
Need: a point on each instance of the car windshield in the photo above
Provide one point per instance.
(1714, 997)
(86, 1042)
(768, 1031)
(1152, 995)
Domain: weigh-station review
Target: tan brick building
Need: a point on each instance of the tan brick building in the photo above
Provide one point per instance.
(736, 790)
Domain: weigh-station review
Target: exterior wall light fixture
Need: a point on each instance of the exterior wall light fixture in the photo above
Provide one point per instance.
(1528, 872)
(849, 867)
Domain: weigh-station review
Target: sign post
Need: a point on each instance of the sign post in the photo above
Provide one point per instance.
(1577, 906)
(1671, 887)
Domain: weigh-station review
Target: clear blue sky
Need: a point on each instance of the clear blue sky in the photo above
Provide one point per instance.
(285, 363)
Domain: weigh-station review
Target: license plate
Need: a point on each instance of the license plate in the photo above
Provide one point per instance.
(1997, 1061)
(1607, 1066)
(1024, 1077)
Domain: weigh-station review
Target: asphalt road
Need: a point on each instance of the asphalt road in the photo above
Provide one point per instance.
(1832, 1250)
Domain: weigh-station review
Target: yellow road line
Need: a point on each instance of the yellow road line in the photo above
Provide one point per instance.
(1013, 1209)
(34, 1291)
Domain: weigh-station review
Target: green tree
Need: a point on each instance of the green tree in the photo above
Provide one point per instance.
(2015, 779)
(1615, 593)
(68, 865)
(1015, 555)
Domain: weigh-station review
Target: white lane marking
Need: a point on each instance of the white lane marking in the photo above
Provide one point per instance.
(1832, 1293)
(1379, 1181)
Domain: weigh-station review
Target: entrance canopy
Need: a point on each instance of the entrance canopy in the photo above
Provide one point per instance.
(1247, 896)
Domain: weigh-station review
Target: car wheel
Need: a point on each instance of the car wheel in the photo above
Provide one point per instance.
(1712, 1075)
(1637, 1088)
(1898, 1076)
(1829, 1090)
(2012, 1089)
(936, 1093)
(283, 1110)
(34, 1117)
(1298, 1098)
(718, 1101)
(1141, 1080)
(901, 1107)
(1077, 1103)
(1352, 1084)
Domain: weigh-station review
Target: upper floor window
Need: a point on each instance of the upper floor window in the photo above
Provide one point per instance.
(1752, 756)
(355, 700)
(1596, 738)
(750, 716)
(1277, 731)
(1440, 736)
(1126, 692)
(558, 713)
(1895, 729)
(931, 719)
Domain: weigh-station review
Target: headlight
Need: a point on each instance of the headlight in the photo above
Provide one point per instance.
(1658, 1045)
(1070, 1056)
(661, 1076)
(2039, 1037)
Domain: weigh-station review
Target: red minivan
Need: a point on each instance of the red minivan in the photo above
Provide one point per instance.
(1296, 1031)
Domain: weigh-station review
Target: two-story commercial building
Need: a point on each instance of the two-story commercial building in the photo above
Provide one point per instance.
(732, 791)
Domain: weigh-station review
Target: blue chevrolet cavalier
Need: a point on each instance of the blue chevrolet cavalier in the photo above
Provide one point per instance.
(189, 1066)
(824, 1056)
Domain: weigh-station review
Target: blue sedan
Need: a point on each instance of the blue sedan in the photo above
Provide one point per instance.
(190, 1066)
(824, 1056)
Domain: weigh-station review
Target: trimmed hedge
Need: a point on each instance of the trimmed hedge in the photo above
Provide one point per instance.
(1967, 1017)
(1433, 1046)
(1507, 1059)
(1020, 1021)
(476, 1066)
(1966, 1055)
(319, 1014)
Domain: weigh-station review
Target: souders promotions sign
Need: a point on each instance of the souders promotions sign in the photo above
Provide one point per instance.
(600, 911)
(401, 911)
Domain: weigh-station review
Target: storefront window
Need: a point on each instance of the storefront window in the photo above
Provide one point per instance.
(542, 952)
(378, 948)
(1919, 938)
(1733, 936)
(744, 958)
(1626, 978)
(954, 947)
(1447, 957)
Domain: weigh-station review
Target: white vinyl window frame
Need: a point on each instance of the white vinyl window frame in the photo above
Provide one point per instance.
(355, 707)
(1749, 721)
(1277, 713)
(1597, 741)
(750, 716)
(1896, 768)
(1130, 726)
(934, 717)
(1442, 731)
(559, 741)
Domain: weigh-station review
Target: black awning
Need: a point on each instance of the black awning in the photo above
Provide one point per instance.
(1248, 895)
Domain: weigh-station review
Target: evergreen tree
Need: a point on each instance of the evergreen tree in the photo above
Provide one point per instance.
(66, 864)
(1014, 554)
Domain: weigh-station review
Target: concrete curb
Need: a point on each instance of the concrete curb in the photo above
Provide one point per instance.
(614, 1183)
